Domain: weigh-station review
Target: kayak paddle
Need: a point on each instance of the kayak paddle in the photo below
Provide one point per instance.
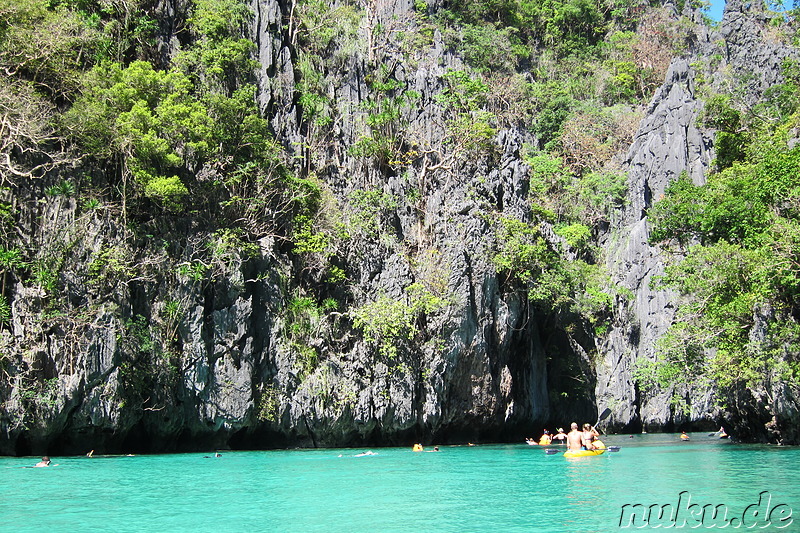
(605, 414)
(552, 451)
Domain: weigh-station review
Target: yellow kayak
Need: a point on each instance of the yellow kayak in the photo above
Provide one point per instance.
(601, 449)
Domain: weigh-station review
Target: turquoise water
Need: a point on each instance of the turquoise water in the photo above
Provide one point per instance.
(482, 488)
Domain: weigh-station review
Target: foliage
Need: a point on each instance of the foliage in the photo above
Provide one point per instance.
(137, 330)
(384, 118)
(196, 270)
(149, 368)
(177, 126)
(227, 249)
(576, 235)
(111, 265)
(559, 195)
(154, 120)
(306, 240)
(46, 43)
(489, 48)
(147, 115)
(368, 213)
(432, 271)
(551, 282)
(12, 261)
(601, 194)
(27, 149)
(5, 310)
(220, 57)
(41, 395)
(638, 60)
(313, 100)
(268, 404)
(304, 318)
(733, 206)
(572, 27)
(737, 322)
(391, 323)
(470, 125)
(319, 26)
(730, 140)
(63, 188)
(522, 250)
(198, 116)
(554, 104)
(590, 136)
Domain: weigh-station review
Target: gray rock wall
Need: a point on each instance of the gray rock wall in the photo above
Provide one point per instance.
(483, 367)
(668, 143)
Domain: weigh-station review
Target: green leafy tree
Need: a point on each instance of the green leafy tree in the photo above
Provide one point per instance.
(47, 44)
(392, 323)
(737, 320)
(219, 58)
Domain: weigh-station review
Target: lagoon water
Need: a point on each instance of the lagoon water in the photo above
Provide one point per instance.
(508, 488)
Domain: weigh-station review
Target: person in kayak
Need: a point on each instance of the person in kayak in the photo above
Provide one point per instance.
(588, 436)
(560, 437)
(544, 440)
(574, 437)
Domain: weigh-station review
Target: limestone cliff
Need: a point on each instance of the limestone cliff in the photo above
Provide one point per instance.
(247, 362)
(670, 142)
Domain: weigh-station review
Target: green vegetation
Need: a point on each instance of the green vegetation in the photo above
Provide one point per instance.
(148, 157)
(369, 213)
(268, 404)
(384, 140)
(464, 99)
(305, 319)
(740, 231)
(393, 323)
(552, 282)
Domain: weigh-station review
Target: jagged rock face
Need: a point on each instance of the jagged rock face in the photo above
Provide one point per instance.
(669, 142)
(491, 362)
(238, 381)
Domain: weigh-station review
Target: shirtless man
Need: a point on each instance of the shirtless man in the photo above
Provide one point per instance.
(574, 437)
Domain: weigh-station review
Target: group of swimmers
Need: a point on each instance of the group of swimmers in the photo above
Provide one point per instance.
(575, 439)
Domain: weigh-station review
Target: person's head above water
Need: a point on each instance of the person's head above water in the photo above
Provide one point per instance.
(574, 425)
